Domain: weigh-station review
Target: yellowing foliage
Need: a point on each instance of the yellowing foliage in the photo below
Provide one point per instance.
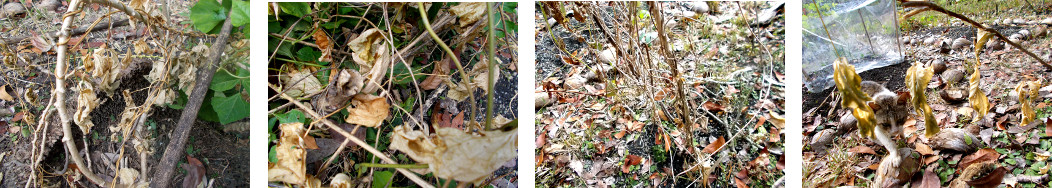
(975, 95)
(1026, 96)
(917, 78)
(849, 85)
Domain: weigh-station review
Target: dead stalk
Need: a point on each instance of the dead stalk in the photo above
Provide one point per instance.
(60, 92)
(674, 65)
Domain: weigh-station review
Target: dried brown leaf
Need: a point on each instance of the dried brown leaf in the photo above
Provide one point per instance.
(454, 154)
(368, 110)
(324, 44)
(290, 167)
(714, 146)
(985, 154)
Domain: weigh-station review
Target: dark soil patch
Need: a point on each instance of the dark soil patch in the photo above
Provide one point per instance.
(892, 76)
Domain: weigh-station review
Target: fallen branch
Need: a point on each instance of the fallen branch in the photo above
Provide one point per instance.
(176, 147)
(938, 8)
(78, 31)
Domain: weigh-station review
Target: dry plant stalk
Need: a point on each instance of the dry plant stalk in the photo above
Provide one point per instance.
(60, 92)
(674, 65)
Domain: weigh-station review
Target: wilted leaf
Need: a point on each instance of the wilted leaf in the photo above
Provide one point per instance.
(849, 85)
(976, 96)
(712, 106)
(128, 176)
(985, 154)
(341, 181)
(469, 13)
(300, 82)
(930, 180)
(438, 75)
(917, 79)
(372, 53)
(1027, 91)
(714, 146)
(478, 75)
(4, 95)
(324, 44)
(630, 160)
(776, 120)
(454, 154)
(195, 172)
(992, 179)
(862, 149)
(290, 167)
(368, 110)
(924, 149)
(86, 102)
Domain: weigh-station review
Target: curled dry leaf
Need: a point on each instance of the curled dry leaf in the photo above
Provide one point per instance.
(343, 85)
(195, 173)
(454, 154)
(849, 85)
(469, 13)
(290, 167)
(478, 75)
(917, 79)
(1027, 91)
(368, 110)
(341, 181)
(300, 82)
(105, 68)
(324, 44)
(129, 117)
(714, 146)
(438, 75)
(86, 102)
(4, 95)
(371, 53)
(128, 176)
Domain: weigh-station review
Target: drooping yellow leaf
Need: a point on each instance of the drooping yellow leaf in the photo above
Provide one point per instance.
(976, 96)
(368, 110)
(290, 167)
(1027, 91)
(917, 78)
(981, 40)
(454, 154)
(849, 85)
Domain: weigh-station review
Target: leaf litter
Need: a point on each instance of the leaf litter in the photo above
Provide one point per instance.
(609, 108)
(377, 77)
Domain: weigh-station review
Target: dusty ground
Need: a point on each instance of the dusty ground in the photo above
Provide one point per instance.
(588, 136)
(1000, 130)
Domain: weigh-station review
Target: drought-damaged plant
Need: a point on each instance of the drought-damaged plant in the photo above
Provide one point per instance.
(1027, 91)
(849, 86)
(367, 70)
(105, 65)
(917, 79)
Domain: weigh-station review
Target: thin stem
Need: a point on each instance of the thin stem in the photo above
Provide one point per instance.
(492, 48)
(449, 52)
(401, 166)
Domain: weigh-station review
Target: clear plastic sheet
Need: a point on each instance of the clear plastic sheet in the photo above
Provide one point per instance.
(865, 32)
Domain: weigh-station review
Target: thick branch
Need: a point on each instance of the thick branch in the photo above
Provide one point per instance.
(176, 147)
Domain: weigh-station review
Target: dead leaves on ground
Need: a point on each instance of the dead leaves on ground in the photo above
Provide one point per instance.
(454, 154)
(290, 167)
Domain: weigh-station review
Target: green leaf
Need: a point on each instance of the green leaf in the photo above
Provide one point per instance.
(308, 54)
(297, 9)
(207, 14)
(229, 108)
(239, 13)
(223, 81)
(292, 116)
(273, 155)
(382, 179)
(285, 49)
(271, 123)
(968, 140)
(402, 75)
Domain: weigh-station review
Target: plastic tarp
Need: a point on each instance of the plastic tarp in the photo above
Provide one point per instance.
(865, 32)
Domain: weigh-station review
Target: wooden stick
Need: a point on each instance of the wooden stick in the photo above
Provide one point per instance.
(176, 147)
(78, 31)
